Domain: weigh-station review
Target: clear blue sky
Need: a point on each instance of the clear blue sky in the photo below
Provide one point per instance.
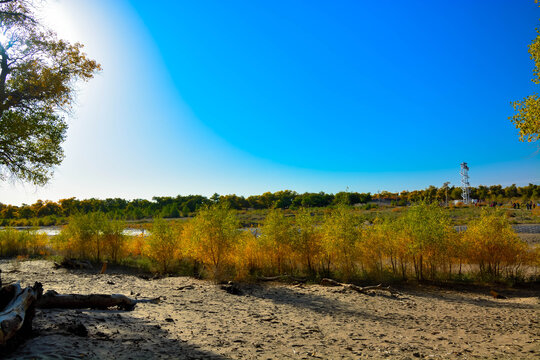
(252, 96)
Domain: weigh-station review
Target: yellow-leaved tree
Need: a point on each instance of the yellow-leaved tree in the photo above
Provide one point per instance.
(428, 230)
(164, 243)
(341, 232)
(494, 246)
(114, 240)
(307, 241)
(276, 240)
(377, 247)
(81, 237)
(527, 116)
(213, 236)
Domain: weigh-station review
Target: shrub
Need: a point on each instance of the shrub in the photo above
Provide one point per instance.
(163, 244)
(376, 246)
(247, 255)
(307, 242)
(9, 242)
(494, 246)
(22, 242)
(114, 240)
(213, 234)
(81, 238)
(276, 241)
(37, 244)
(341, 231)
(428, 229)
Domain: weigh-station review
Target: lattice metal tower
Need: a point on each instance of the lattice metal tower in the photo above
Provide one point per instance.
(465, 186)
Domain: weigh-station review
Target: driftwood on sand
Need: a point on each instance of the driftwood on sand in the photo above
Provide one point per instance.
(17, 306)
(73, 264)
(17, 310)
(360, 289)
(51, 299)
(282, 278)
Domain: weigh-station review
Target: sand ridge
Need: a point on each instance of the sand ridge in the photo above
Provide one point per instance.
(198, 320)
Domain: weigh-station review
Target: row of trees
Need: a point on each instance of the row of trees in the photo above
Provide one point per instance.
(174, 207)
(420, 244)
(484, 193)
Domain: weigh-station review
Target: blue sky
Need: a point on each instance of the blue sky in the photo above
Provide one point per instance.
(244, 97)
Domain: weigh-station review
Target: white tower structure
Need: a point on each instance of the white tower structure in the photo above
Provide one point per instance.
(465, 186)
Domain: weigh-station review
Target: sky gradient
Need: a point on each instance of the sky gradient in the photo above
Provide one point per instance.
(197, 97)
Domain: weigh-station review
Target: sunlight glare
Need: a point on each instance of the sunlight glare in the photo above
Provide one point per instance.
(57, 17)
(3, 39)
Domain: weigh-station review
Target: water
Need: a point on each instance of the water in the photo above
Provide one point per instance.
(55, 230)
(519, 228)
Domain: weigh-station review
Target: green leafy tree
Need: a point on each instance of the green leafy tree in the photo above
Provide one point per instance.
(38, 73)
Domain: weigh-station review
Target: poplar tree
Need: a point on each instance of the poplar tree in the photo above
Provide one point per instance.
(38, 74)
(527, 111)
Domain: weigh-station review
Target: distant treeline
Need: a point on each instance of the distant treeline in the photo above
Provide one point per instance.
(173, 207)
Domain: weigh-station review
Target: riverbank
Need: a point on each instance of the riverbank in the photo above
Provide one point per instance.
(197, 319)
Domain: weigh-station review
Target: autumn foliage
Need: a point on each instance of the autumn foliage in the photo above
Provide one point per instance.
(420, 243)
(495, 247)
(212, 238)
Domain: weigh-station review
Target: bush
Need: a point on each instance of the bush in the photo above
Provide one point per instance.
(81, 238)
(114, 240)
(494, 246)
(308, 239)
(213, 234)
(163, 244)
(276, 240)
(341, 232)
(22, 242)
(428, 229)
(247, 255)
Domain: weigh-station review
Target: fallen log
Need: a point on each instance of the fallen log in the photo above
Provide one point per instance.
(281, 277)
(360, 289)
(330, 282)
(17, 311)
(51, 299)
(73, 264)
(17, 308)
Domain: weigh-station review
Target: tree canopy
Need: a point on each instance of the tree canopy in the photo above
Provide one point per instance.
(527, 116)
(38, 73)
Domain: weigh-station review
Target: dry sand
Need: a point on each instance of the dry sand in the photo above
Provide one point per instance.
(198, 320)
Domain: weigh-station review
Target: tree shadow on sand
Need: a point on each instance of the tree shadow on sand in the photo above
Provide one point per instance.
(464, 295)
(283, 295)
(60, 334)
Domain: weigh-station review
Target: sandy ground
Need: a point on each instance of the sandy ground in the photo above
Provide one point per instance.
(198, 320)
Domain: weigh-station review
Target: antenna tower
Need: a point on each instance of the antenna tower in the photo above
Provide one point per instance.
(465, 186)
